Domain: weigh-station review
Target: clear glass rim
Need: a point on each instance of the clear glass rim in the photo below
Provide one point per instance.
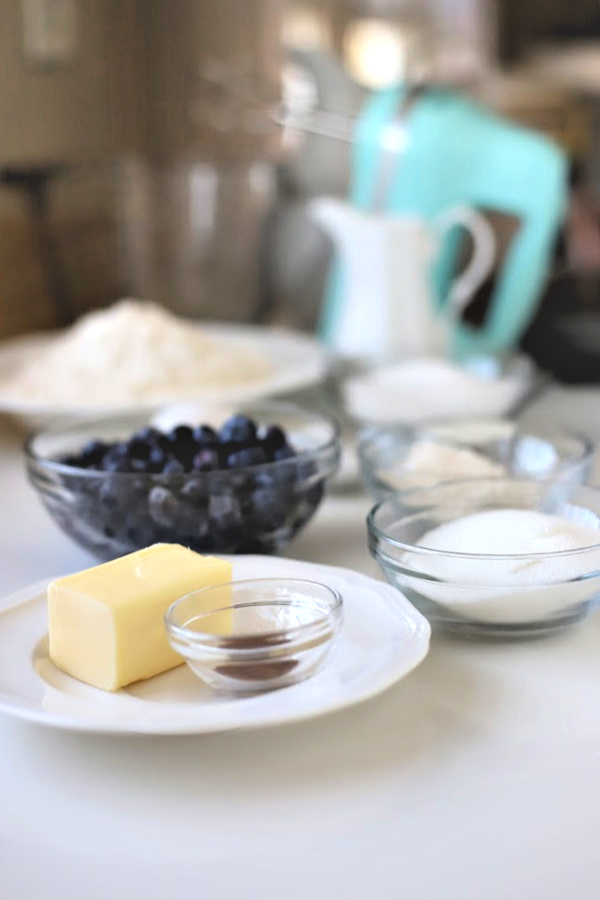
(271, 638)
(378, 533)
(329, 446)
(387, 562)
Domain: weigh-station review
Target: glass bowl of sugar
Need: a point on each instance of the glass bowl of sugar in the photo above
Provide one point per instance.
(504, 558)
(401, 457)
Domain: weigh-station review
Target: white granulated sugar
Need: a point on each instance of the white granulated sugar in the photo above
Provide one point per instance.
(515, 588)
(425, 389)
(430, 461)
(514, 531)
(133, 352)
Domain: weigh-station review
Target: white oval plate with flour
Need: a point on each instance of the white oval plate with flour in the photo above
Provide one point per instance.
(298, 361)
(382, 639)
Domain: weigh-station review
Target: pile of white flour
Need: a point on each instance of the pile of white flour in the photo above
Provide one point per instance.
(133, 352)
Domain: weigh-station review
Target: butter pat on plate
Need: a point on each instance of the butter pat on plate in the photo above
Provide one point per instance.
(106, 623)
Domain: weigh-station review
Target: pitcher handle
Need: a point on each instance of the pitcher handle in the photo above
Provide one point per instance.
(482, 261)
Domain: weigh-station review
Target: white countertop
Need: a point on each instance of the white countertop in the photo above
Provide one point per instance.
(476, 778)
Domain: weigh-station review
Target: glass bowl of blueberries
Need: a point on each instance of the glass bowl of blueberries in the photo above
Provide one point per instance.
(246, 485)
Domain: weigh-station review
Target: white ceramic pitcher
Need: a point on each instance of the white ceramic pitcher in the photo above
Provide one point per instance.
(386, 309)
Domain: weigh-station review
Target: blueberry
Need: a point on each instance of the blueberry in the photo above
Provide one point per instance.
(226, 520)
(205, 543)
(315, 494)
(91, 455)
(239, 430)
(117, 459)
(116, 451)
(94, 448)
(111, 517)
(187, 461)
(206, 460)
(125, 495)
(205, 436)
(274, 436)
(194, 492)
(138, 449)
(164, 442)
(157, 459)
(84, 486)
(182, 434)
(139, 534)
(225, 450)
(140, 465)
(109, 495)
(113, 464)
(173, 467)
(224, 508)
(74, 461)
(251, 456)
(277, 475)
(147, 435)
(182, 445)
(189, 521)
(272, 439)
(284, 452)
(269, 508)
(136, 490)
(306, 470)
(162, 506)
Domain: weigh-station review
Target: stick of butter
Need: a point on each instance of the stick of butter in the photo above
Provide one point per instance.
(106, 623)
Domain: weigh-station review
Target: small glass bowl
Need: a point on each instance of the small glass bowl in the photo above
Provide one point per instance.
(523, 452)
(255, 635)
(486, 594)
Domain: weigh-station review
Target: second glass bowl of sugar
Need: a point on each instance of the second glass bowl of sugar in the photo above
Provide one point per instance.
(499, 557)
(401, 457)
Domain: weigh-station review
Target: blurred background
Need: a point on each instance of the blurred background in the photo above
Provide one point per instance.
(167, 149)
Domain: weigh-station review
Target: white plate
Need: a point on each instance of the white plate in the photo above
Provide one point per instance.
(382, 639)
(298, 361)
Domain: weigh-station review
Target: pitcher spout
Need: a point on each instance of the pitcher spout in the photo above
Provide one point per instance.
(338, 220)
